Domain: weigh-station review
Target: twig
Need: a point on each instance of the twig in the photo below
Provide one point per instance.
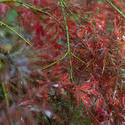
(68, 42)
(120, 12)
(10, 28)
(60, 59)
(5, 94)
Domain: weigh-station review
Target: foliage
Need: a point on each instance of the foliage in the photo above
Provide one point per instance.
(62, 62)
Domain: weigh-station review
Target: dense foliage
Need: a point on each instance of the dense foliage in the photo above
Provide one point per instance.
(62, 62)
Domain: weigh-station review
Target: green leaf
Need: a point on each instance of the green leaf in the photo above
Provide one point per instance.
(11, 16)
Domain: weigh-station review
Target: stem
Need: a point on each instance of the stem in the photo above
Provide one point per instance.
(10, 28)
(5, 94)
(7, 101)
(68, 42)
(120, 12)
(75, 17)
(60, 59)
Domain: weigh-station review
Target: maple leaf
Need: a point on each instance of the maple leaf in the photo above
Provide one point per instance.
(84, 92)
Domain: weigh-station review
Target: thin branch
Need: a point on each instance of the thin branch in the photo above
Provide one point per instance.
(75, 17)
(5, 94)
(68, 42)
(120, 12)
(6, 100)
(10, 28)
(60, 59)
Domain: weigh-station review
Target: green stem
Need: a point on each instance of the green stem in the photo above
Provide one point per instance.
(10, 28)
(75, 17)
(68, 42)
(120, 12)
(60, 59)
(7, 101)
(5, 94)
